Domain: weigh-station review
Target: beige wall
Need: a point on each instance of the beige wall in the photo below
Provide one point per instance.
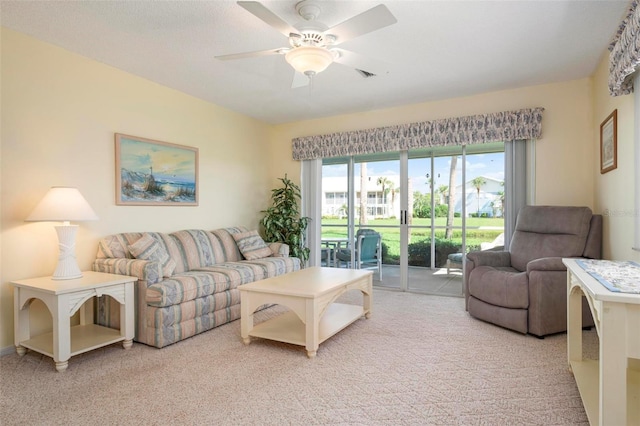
(614, 190)
(59, 115)
(60, 111)
(564, 154)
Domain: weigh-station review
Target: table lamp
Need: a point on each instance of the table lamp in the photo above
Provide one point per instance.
(64, 204)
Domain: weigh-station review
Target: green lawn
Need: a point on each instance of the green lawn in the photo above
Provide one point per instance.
(478, 230)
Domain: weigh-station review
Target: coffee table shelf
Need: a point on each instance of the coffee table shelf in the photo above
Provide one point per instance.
(288, 328)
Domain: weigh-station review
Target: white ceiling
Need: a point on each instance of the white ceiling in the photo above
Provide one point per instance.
(436, 50)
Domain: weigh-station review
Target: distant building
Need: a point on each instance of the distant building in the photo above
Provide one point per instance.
(489, 199)
(387, 204)
(379, 204)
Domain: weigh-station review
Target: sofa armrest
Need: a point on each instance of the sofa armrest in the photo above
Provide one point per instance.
(546, 264)
(490, 258)
(144, 270)
(279, 249)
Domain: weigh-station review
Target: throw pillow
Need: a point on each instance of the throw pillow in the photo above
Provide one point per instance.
(251, 245)
(148, 248)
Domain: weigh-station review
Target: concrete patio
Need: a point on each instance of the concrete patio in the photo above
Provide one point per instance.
(423, 280)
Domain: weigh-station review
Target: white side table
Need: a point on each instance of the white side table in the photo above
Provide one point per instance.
(64, 298)
(610, 386)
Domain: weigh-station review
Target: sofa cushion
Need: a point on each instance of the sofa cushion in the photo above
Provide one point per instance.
(117, 245)
(251, 245)
(225, 236)
(260, 269)
(189, 286)
(148, 248)
(221, 277)
(504, 287)
(197, 248)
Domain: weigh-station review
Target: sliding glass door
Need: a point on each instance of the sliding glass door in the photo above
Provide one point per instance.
(430, 227)
(455, 205)
(429, 205)
(361, 193)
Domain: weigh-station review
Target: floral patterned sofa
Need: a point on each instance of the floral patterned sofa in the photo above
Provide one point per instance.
(187, 280)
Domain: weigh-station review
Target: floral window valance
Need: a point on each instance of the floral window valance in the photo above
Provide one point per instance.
(474, 129)
(624, 56)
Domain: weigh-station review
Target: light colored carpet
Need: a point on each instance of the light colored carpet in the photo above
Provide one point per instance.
(419, 360)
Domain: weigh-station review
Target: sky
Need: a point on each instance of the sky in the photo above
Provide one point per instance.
(168, 161)
(486, 165)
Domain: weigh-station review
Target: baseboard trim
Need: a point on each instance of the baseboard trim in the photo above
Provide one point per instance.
(7, 351)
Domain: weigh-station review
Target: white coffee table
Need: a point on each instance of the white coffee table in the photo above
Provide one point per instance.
(310, 295)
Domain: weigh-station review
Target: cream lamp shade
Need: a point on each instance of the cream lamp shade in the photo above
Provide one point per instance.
(64, 204)
(309, 60)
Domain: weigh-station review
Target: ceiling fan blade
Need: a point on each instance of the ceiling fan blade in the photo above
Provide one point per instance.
(261, 12)
(249, 54)
(366, 22)
(299, 80)
(361, 62)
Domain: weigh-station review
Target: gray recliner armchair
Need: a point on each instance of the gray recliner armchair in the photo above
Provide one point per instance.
(525, 288)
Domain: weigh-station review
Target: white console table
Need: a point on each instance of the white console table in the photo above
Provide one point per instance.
(64, 298)
(610, 386)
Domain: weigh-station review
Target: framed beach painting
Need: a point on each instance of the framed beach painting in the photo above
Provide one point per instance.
(154, 173)
(609, 143)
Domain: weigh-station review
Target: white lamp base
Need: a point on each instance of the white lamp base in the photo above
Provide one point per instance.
(67, 268)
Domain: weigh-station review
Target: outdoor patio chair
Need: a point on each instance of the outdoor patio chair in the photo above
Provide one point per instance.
(326, 256)
(368, 252)
(454, 260)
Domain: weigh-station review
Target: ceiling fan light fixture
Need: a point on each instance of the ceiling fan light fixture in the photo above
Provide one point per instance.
(309, 60)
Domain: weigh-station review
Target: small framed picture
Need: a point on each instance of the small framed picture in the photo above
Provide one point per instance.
(609, 143)
(154, 173)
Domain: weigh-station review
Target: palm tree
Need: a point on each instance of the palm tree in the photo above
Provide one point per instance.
(385, 184)
(452, 197)
(394, 191)
(410, 207)
(363, 193)
(442, 193)
(501, 200)
(478, 183)
(429, 182)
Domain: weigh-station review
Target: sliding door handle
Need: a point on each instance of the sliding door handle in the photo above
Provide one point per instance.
(403, 217)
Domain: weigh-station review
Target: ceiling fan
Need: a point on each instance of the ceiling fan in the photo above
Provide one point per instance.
(312, 45)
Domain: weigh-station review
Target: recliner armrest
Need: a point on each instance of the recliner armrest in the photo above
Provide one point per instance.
(490, 258)
(546, 264)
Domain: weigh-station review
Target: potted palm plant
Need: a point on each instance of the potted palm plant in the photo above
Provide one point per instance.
(282, 221)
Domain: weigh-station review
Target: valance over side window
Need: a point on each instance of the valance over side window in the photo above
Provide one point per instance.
(500, 126)
(624, 57)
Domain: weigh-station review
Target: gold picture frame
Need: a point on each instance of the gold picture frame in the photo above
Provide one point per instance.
(154, 173)
(609, 143)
